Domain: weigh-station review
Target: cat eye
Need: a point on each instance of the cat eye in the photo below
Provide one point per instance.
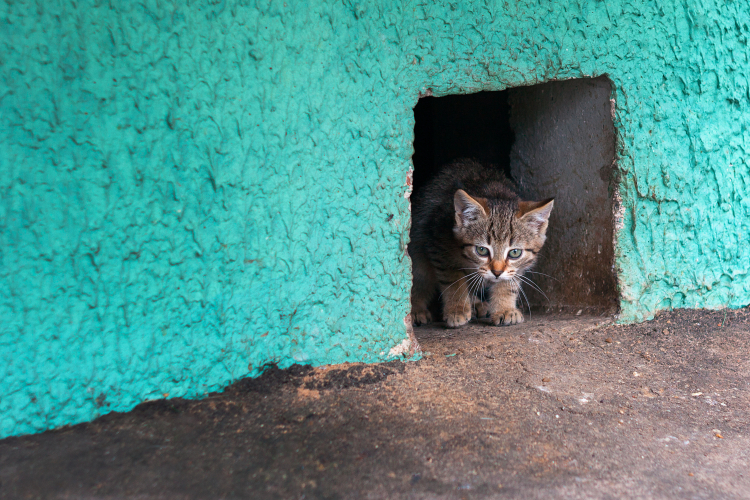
(515, 253)
(483, 251)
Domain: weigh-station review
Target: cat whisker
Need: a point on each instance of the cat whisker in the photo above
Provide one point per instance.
(470, 289)
(467, 294)
(528, 305)
(470, 275)
(477, 285)
(547, 275)
(520, 288)
(459, 279)
(451, 227)
(480, 291)
(458, 289)
(514, 287)
(535, 286)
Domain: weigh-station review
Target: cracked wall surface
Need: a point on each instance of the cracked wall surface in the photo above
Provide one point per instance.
(193, 190)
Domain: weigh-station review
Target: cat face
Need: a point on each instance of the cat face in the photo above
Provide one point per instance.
(499, 239)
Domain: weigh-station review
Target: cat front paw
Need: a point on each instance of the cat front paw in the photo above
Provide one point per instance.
(482, 309)
(507, 317)
(457, 319)
(421, 317)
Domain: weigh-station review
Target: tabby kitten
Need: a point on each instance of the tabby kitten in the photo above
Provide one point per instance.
(471, 237)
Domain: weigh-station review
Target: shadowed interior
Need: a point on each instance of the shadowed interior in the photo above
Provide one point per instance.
(554, 140)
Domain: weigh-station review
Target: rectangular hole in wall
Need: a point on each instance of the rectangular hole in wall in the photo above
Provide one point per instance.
(553, 140)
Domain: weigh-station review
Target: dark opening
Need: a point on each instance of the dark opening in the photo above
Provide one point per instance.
(461, 126)
(554, 140)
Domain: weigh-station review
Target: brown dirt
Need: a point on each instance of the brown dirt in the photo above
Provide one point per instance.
(560, 406)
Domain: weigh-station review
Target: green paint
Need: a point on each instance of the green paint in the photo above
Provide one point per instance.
(190, 192)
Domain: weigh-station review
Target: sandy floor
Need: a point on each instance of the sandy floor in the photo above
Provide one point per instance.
(558, 407)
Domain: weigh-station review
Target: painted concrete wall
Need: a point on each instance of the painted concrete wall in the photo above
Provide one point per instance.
(191, 190)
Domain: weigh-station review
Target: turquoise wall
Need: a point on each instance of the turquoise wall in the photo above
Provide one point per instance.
(192, 190)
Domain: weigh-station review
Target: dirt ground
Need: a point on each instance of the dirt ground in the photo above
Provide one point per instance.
(558, 407)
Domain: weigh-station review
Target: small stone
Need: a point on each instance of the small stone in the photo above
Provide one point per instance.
(545, 379)
(690, 474)
(665, 331)
(696, 394)
(608, 341)
(647, 392)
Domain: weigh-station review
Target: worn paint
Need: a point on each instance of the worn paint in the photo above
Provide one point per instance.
(193, 190)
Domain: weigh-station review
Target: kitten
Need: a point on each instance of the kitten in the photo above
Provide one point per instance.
(472, 236)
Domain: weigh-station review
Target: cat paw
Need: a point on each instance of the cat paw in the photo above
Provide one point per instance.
(456, 320)
(421, 318)
(509, 317)
(482, 310)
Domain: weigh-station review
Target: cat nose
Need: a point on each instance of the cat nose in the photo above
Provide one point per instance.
(496, 272)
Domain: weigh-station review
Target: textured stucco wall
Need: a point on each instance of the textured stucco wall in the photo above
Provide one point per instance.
(191, 190)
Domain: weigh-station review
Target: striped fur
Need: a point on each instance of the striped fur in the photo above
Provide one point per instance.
(472, 238)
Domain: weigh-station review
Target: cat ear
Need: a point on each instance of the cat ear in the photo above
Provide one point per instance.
(535, 213)
(468, 209)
